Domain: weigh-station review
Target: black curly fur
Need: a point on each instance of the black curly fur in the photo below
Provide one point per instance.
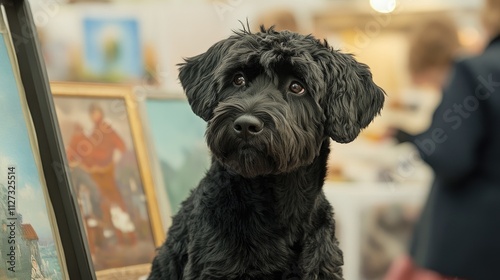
(260, 212)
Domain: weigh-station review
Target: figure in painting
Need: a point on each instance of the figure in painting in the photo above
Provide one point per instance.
(97, 155)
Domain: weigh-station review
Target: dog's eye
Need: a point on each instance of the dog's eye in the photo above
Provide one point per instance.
(296, 88)
(239, 80)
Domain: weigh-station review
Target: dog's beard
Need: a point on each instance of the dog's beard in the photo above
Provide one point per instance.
(280, 148)
(249, 161)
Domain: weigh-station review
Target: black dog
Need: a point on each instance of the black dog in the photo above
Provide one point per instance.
(272, 100)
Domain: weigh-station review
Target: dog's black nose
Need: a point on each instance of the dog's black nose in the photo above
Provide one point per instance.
(247, 125)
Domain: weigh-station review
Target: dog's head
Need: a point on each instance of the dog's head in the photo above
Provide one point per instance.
(271, 98)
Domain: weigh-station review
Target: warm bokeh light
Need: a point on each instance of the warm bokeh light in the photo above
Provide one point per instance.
(383, 6)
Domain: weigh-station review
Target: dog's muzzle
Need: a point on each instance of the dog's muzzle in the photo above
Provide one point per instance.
(247, 126)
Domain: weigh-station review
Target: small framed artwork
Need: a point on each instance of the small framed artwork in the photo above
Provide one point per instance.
(109, 167)
(112, 50)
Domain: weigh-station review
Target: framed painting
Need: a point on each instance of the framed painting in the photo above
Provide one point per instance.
(179, 144)
(110, 172)
(40, 234)
(30, 246)
(386, 229)
(376, 221)
(112, 50)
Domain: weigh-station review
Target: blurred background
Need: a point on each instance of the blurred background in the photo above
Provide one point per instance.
(376, 183)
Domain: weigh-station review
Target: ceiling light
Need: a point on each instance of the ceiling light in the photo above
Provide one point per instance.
(383, 6)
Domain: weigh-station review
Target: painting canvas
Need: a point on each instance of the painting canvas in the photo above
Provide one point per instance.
(29, 244)
(110, 174)
(386, 229)
(179, 142)
(112, 50)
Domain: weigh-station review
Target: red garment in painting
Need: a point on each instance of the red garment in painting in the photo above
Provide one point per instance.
(105, 141)
(95, 154)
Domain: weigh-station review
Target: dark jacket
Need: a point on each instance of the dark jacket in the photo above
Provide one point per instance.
(459, 230)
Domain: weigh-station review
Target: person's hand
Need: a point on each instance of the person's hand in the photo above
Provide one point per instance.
(403, 268)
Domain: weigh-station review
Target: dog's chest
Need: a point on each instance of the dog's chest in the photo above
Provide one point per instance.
(245, 226)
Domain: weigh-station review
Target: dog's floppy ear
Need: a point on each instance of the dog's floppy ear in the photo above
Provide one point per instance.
(196, 75)
(352, 99)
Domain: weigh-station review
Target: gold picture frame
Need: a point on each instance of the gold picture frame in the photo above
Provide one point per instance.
(110, 168)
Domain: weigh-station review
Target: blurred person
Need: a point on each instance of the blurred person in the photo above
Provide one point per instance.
(459, 228)
(433, 47)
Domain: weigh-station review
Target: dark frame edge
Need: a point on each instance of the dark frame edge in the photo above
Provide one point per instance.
(38, 94)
